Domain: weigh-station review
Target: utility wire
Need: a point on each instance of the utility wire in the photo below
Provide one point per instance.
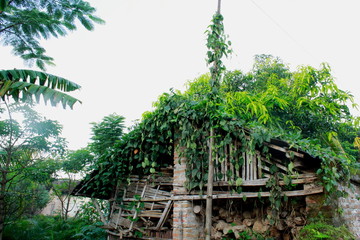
(283, 29)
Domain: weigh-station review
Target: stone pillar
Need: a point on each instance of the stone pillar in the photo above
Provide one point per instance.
(186, 224)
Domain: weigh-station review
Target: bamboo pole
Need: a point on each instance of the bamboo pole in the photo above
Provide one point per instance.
(208, 211)
(209, 195)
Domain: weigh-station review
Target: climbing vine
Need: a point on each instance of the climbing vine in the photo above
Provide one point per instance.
(251, 109)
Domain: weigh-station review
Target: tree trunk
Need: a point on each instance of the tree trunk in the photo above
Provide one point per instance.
(208, 213)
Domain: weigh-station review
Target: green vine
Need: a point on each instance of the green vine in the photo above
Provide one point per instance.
(244, 102)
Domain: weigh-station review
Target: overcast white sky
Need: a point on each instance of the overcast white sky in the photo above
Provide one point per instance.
(147, 47)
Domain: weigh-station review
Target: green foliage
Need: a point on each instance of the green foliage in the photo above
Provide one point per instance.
(218, 47)
(315, 231)
(89, 213)
(106, 133)
(304, 108)
(23, 23)
(77, 161)
(24, 146)
(25, 198)
(54, 228)
(25, 85)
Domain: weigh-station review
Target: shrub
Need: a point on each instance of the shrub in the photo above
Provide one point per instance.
(52, 228)
(316, 231)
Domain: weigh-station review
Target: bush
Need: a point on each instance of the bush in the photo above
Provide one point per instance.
(52, 228)
(316, 231)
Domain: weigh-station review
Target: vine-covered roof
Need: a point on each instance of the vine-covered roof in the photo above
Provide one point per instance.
(303, 109)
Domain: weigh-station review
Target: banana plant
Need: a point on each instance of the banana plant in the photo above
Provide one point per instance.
(29, 85)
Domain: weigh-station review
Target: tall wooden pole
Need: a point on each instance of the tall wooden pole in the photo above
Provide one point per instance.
(209, 194)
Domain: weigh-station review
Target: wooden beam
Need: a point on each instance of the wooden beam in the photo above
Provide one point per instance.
(164, 215)
(228, 195)
(102, 217)
(281, 149)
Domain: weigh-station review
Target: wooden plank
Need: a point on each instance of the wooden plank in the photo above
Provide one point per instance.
(164, 215)
(228, 195)
(259, 166)
(262, 182)
(243, 173)
(138, 205)
(232, 167)
(226, 163)
(97, 207)
(281, 149)
(120, 211)
(276, 164)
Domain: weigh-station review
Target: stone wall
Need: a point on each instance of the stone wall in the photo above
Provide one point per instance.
(188, 225)
(351, 210)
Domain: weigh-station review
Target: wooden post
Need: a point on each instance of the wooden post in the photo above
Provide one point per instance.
(102, 217)
(208, 212)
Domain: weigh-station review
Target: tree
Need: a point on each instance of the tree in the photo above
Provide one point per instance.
(23, 145)
(306, 101)
(23, 23)
(106, 134)
(69, 169)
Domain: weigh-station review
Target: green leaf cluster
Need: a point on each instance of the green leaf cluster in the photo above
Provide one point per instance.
(25, 85)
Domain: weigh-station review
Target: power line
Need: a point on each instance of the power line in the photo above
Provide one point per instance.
(283, 29)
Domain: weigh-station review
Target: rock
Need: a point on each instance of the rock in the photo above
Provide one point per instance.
(213, 231)
(286, 236)
(290, 221)
(229, 219)
(274, 232)
(299, 221)
(215, 218)
(248, 222)
(268, 211)
(237, 220)
(303, 211)
(280, 225)
(295, 232)
(217, 236)
(283, 214)
(238, 229)
(260, 227)
(235, 229)
(266, 221)
(220, 225)
(247, 214)
(223, 213)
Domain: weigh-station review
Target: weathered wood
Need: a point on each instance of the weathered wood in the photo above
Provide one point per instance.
(296, 179)
(197, 209)
(243, 167)
(164, 215)
(259, 165)
(282, 167)
(232, 167)
(97, 207)
(228, 195)
(247, 166)
(138, 205)
(120, 211)
(281, 149)
(209, 194)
